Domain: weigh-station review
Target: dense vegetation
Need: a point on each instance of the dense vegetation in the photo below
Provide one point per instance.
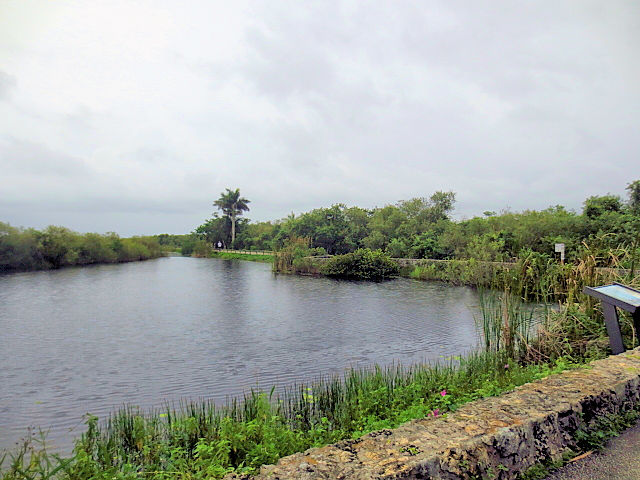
(423, 228)
(511, 251)
(55, 247)
(363, 264)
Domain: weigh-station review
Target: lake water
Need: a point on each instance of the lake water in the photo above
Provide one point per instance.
(90, 339)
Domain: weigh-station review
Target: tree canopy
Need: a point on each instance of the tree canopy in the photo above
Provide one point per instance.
(232, 206)
(422, 227)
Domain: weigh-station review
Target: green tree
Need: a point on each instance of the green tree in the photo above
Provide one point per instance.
(634, 196)
(58, 246)
(598, 205)
(634, 207)
(232, 205)
(215, 229)
(326, 227)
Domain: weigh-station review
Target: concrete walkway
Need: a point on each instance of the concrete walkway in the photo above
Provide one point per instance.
(620, 460)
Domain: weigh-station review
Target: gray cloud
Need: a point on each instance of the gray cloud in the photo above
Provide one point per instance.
(22, 157)
(524, 105)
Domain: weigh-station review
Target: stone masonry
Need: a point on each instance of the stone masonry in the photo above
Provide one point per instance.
(495, 438)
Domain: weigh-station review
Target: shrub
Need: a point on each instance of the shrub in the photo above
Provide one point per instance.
(363, 264)
(295, 248)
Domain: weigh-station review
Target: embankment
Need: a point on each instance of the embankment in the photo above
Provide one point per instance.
(497, 438)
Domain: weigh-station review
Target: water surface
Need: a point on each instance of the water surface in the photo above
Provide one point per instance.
(89, 339)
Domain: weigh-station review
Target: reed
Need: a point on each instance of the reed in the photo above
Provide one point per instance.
(199, 439)
(535, 276)
(507, 324)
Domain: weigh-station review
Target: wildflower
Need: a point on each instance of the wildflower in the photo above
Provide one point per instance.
(443, 393)
(506, 366)
(435, 412)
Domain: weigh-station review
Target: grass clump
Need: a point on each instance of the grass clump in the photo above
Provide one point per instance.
(296, 257)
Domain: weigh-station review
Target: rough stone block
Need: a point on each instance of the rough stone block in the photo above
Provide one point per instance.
(492, 437)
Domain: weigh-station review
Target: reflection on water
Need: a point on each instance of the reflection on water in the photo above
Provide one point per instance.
(90, 339)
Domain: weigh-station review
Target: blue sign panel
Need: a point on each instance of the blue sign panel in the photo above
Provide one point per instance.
(621, 293)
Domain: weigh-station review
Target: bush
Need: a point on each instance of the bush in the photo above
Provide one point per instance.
(295, 249)
(363, 264)
(201, 249)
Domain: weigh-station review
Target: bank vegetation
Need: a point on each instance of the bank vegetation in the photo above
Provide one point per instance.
(54, 247)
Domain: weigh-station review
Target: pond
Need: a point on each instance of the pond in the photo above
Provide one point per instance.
(90, 339)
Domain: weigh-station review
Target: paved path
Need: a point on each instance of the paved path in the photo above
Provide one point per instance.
(620, 460)
(244, 252)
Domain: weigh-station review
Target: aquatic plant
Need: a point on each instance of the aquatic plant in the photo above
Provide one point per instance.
(200, 439)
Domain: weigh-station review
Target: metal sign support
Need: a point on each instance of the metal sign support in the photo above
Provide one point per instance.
(615, 296)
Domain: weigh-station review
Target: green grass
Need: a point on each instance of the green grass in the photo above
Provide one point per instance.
(506, 323)
(532, 277)
(199, 440)
(243, 256)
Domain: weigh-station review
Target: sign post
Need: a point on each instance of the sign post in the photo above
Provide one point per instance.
(615, 296)
(560, 250)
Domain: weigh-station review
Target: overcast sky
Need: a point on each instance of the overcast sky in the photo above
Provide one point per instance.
(133, 116)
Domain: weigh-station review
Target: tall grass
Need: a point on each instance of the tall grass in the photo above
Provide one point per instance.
(295, 257)
(507, 324)
(199, 439)
(535, 276)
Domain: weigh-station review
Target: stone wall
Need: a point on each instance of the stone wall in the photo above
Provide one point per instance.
(490, 438)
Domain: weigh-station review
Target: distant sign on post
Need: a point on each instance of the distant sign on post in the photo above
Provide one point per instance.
(617, 296)
(560, 250)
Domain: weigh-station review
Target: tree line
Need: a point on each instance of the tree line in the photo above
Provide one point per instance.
(423, 228)
(420, 227)
(54, 247)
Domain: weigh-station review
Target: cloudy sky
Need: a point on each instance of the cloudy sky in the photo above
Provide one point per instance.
(133, 116)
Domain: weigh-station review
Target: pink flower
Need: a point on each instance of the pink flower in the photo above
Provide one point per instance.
(443, 393)
(435, 413)
(506, 366)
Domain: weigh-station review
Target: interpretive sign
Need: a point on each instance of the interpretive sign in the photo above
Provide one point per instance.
(620, 296)
(560, 249)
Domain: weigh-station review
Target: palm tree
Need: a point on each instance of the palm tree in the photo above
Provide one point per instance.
(232, 205)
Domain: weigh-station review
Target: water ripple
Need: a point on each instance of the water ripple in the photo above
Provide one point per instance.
(91, 339)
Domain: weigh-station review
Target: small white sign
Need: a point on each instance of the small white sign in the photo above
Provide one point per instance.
(559, 247)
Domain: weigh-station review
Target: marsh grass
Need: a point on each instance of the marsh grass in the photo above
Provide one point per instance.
(507, 324)
(534, 276)
(200, 439)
